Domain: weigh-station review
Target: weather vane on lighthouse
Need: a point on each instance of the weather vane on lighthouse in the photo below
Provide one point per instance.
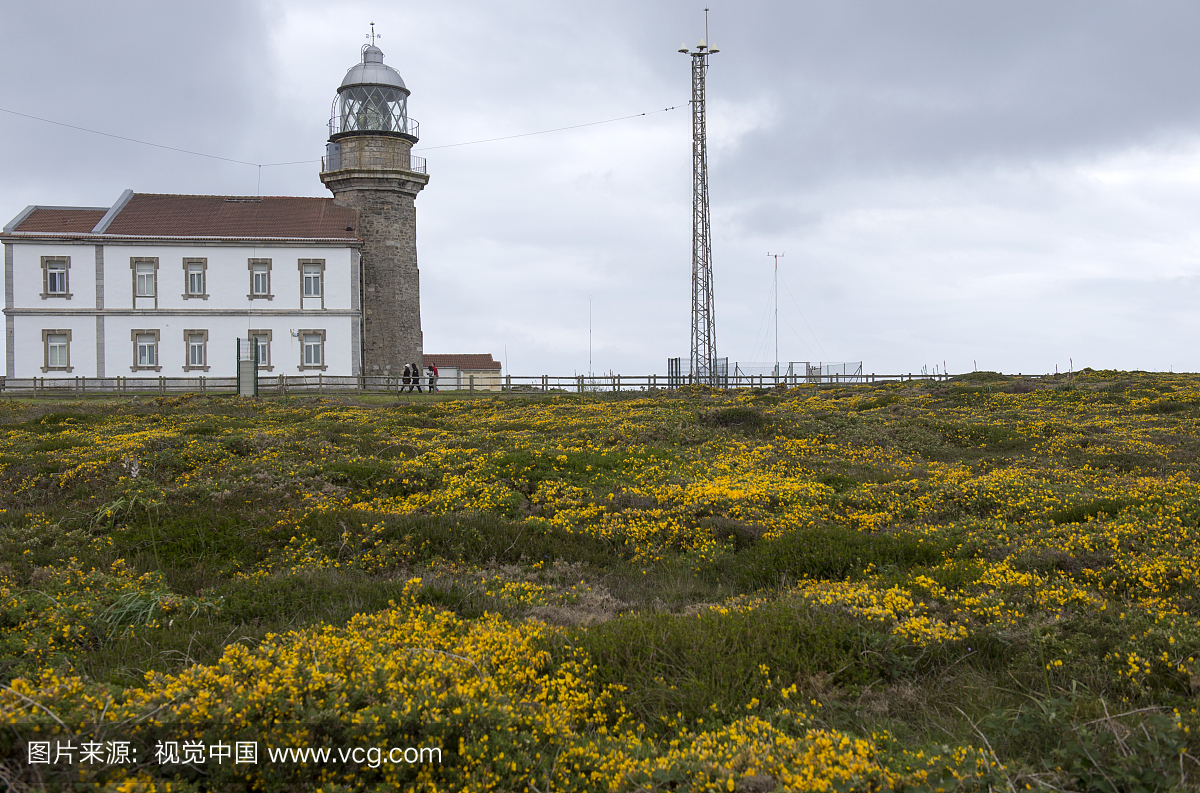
(373, 35)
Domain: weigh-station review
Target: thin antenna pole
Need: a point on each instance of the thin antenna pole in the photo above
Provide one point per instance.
(776, 256)
(589, 335)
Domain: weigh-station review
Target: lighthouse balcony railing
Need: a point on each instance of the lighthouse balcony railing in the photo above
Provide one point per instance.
(383, 123)
(392, 161)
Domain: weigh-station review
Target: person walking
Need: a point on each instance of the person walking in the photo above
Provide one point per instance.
(416, 378)
(433, 376)
(406, 379)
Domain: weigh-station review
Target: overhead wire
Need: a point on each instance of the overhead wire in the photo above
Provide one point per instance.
(801, 313)
(122, 137)
(307, 162)
(545, 131)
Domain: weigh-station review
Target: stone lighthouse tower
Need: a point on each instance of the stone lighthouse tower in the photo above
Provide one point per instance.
(369, 167)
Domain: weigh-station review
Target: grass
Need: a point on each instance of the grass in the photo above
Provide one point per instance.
(987, 562)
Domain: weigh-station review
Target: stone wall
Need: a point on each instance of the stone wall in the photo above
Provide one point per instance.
(375, 179)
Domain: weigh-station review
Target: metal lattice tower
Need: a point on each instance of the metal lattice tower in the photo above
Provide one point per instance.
(704, 326)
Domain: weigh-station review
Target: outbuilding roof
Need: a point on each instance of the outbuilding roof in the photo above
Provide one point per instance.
(70, 220)
(462, 360)
(187, 216)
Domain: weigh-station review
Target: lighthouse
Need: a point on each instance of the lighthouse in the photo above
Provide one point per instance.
(369, 167)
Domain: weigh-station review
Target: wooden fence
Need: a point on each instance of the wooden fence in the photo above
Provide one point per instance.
(321, 383)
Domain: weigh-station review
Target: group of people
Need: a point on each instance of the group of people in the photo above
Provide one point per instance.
(412, 377)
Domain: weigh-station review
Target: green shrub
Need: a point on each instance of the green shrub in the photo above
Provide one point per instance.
(710, 666)
(738, 417)
(824, 552)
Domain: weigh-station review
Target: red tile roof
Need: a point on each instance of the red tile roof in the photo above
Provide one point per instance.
(462, 360)
(153, 215)
(69, 220)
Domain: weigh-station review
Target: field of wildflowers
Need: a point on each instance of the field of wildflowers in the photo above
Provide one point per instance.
(981, 584)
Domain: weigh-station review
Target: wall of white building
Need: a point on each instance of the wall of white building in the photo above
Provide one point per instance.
(30, 352)
(81, 275)
(228, 276)
(226, 314)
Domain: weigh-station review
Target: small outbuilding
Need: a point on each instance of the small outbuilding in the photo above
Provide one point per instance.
(455, 370)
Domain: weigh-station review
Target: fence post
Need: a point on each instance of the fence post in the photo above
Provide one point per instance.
(579, 378)
(320, 383)
(472, 384)
(508, 382)
(617, 383)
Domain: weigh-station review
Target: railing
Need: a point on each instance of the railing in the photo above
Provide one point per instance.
(392, 161)
(391, 123)
(471, 384)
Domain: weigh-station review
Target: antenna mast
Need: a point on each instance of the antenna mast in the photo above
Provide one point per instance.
(703, 353)
(776, 256)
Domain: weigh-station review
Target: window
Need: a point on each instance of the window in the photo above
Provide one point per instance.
(54, 276)
(145, 350)
(195, 278)
(147, 346)
(145, 281)
(56, 345)
(312, 273)
(196, 350)
(262, 341)
(56, 351)
(312, 281)
(312, 349)
(260, 279)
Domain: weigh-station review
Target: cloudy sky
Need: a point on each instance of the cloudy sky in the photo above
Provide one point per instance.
(996, 185)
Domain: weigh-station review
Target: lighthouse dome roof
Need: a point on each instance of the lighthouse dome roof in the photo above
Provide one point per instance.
(372, 71)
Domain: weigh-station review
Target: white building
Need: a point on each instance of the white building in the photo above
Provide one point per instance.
(164, 285)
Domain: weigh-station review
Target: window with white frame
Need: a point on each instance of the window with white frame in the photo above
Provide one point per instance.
(145, 349)
(312, 349)
(56, 351)
(312, 287)
(144, 270)
(56, 345)
(312, 280)
(54, 276)
(195, 278)
(196, 353)
(262, 343)
(145, 280)
(260, 279)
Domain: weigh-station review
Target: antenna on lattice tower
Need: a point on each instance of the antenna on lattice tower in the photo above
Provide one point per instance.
(703, 352)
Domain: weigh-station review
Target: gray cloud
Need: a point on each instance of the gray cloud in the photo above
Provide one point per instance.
(1009, 183)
